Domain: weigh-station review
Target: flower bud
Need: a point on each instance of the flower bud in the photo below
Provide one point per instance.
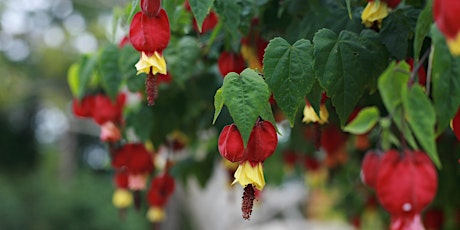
(151, 8)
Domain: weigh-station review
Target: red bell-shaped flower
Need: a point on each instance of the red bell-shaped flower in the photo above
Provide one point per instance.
(150, 34)
(121, 179)
(370, 168)
(262, 142)
(406, 183)
(83, 108)
(105, 110)
(140, 160)
(230, 62)
(151, 8)
(161, 189)
(231, 145)
(447, 19)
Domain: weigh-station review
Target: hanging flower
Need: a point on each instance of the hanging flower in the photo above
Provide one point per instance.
(261, 144)
(110, 132)
(406, 184)
(376, 11)
(160, 191)
(108, 111)
(83, 108)
(122, 197)
(370, 168)
(230, 62)
(333, 141)
(253, 47)
(309, 114)
(138, 162)
(149, 33)
(446, 17)
(209, 22)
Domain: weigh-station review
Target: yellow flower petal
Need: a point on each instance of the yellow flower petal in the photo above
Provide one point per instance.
(375, 11)
(250, 56)
(309, 114)
(156, 214)
(246, 174)
(454, 45)
(122, 198)
(156, 62)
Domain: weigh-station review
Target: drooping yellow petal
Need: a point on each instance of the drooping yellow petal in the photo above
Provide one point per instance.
(122, 198)
(454, 45)
(309, 114)
(156, 62)
(156, 214)
(375, 11)
(246, 174)
(250, 56)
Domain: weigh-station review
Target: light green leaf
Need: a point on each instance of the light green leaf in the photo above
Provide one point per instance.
(245, 96)
(424, 21)
(218, 104)
(109, 72)
(346, 64)
(289, 74)
(422, 119)
(364, 121)
(446, 82)
(73, 80)
(86, 72)
(391, 83)
(200, 9)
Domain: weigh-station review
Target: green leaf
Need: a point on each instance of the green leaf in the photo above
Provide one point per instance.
(109, 71)
(346, 65)
(421, 118)
(391, 84)
(364, 121)
(182, 58)
(267, 114)
(140, 119)
(245, 96)
(200, 9)
(314, 97)
(86, 72)
(134, 4)
(396, 30)
(289, 74)
(424, 21)
(73, 80)
(446, 82)
(218, 104)
(128, 57)
(229, 14)
(349, 9)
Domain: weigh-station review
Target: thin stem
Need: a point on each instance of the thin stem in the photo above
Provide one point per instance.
(428, 74)
(417, 66)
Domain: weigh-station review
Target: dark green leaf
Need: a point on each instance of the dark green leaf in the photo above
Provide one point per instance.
(315, 95)
(140, 119)
(200, 9)
(424, 21)
(86, 72)
(245, 96)
(289, 74)
(396, 29)
(126, 61)
(109, 71)
(229, 14)
(446, 82)
(364, 121)
(422, 119)
(267, 114)
(181, 58)
(391, 83)
(346, 65)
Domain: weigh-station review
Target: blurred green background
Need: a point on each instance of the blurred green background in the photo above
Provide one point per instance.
(52, 172)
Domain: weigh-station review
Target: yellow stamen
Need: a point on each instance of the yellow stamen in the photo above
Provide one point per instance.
(247, 174)
(156, 62)
(309, 114)
(156, 214)
(375, 11)
(122, 198)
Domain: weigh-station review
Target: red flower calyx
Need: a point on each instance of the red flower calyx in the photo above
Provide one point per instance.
(151, 8)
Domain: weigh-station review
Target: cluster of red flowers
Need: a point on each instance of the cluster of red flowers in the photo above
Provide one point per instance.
(405, 182)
